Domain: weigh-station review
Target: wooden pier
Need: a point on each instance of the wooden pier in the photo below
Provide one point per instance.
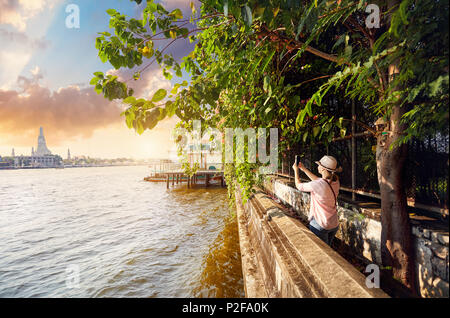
(176, 177)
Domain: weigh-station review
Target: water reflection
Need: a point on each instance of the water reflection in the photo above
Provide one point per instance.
(222, 273)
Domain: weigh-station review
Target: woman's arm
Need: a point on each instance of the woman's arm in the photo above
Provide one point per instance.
(296, 178)
(310, 175)
(298, 184)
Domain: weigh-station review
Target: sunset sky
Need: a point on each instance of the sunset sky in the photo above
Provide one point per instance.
(45, 70)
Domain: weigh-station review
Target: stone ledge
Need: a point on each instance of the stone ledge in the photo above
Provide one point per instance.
(293, 261)
(253, 283)
(361, 233)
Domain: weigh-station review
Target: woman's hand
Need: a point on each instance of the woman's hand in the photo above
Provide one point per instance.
(300, 166)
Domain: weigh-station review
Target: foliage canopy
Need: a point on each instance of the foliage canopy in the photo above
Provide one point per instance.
(282, 63)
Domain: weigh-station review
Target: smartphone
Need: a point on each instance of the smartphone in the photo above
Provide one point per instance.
(297, 160)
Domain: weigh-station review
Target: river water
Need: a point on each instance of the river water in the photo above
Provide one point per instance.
(103, 232)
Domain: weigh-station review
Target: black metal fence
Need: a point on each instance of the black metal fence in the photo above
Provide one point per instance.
(426, 168)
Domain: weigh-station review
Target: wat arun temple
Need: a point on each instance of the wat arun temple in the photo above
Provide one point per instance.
(41, 158)
(42, 149)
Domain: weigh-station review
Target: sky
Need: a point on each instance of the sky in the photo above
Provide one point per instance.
(45, 70)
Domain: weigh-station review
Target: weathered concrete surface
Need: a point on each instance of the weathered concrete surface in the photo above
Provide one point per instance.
(360, 230)
(285, 259)
(253, 281)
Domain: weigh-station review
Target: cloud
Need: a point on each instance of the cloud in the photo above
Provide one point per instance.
(17, 13)
(23, 27)
(147, 85)
(23, 39)
(12, 63)
(9, 14)
(66, 113)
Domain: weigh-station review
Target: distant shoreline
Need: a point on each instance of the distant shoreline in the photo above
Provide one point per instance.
(70, 167)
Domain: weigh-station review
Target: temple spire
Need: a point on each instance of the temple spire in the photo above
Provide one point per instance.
(42, 149)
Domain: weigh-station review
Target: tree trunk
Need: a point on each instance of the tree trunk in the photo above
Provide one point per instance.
(396, 241)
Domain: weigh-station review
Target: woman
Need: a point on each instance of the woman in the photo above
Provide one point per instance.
(323, 216)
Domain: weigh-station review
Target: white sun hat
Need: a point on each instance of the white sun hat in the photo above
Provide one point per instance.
(329, 163)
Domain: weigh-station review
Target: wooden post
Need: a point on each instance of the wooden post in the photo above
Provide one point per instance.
(207, 179)
(167, 181)
(173, 180)
(353, 151)
(222, 183)
(178, 176)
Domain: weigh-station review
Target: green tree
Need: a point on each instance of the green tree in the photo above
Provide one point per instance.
(289, 64)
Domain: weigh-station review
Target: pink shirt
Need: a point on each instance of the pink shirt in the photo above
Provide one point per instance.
(322, 207)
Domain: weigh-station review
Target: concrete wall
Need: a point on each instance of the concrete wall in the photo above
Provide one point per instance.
(360, 229)
(283, 258)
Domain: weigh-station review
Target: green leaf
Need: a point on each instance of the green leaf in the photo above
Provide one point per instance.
(99, 74)
(98, 88)
(129, 100)
(94, 80)
(266, 83)
(402, 10)
(162, 113)
(275, 11)
(170, 108)
(309, 109)
(300, 117)
(139, 127)
(129, 121)
(175, 89)
(305, 135)
(111, 12)
(173, 34)
(177, 14)
(159, 95)
(316, 130)
(267, 60)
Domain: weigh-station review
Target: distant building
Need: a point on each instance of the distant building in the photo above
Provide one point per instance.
(203, 156)
(68, 154)
(42, 149)
(43, 157)
(5, 163)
